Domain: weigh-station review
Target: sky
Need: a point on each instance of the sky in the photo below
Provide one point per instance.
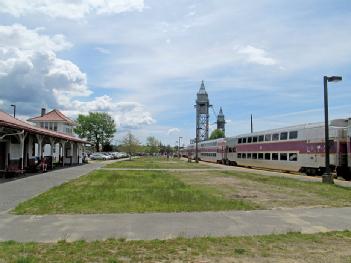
(143, 61)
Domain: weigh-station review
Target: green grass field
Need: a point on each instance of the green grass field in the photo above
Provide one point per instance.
(292, 247)
(128, 191)
(157, 163)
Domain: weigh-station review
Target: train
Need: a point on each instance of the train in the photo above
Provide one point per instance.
(299, 148)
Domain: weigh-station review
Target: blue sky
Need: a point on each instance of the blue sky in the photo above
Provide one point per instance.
(143, 61)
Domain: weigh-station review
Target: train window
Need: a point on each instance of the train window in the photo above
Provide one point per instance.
(275, 137)
(249, 140)
(244, 140)
(293, 157)
(254, 156)
(240, 140)
(261, 138)
(260, 156)
(243, 155)
(254, 139)
(249, 156)
(293, 135)
(239, 155)
(284, 136)
(267, 156)
(268, 137)
(275, 156)
(283, 156)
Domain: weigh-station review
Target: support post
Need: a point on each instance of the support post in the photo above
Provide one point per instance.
(22, 138)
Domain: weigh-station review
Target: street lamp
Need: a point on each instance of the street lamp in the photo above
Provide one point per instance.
(327, 176)
(14, 110)
(179, 146)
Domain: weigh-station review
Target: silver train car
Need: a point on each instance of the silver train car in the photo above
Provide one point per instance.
(297, 149)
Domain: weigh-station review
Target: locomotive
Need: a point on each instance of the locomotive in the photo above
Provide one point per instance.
(298, 148)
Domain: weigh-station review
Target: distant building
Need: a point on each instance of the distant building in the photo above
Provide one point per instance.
(55, 121)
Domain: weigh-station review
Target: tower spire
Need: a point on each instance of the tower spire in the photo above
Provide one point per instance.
(221, 121)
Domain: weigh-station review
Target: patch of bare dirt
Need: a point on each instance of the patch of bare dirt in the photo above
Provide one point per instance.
(265, 195)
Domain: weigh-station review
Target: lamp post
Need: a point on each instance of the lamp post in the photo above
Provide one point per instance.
(179, 146)
(14, 110)
(327, 176)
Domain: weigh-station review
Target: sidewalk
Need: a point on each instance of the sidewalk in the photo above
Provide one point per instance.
(171, 225)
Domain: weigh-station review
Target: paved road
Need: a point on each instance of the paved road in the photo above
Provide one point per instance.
(171, 225)
(16, 191)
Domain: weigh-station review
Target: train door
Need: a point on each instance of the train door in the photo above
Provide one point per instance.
(2, 155)
(342, 154)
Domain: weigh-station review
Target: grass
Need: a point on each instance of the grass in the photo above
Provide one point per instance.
(157, 163)
(128, 191)
(292, 247)
(267, 191)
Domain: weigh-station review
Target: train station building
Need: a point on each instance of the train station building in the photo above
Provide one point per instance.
(49, 140)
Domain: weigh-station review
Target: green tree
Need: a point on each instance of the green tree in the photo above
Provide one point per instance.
(97, 127)
(130, 144)
(152, 145)
(216, 134)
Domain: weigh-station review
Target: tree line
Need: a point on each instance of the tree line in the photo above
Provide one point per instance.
(99, 128)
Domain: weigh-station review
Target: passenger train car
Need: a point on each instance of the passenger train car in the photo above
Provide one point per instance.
(298, 148)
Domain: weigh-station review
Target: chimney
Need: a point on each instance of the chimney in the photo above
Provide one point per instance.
(43, 111)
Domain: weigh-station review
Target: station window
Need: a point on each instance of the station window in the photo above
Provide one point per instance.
(267, 156)
(260, 156)
(284, 136)
(275, 137)
(254, 156)
(243, 155)
(283, 156)
(293, 135)
(249, 156)
(293, 157)
(239, 141)
(239, 155)
(254, 139)
(244, 140)
(275, 156)
(249, 140)
(261, 138)
(268, 137)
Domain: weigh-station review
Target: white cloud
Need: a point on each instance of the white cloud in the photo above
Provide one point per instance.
(103, 50)
(173, 130)
(22, 38)
(33, 76)
(69, 9)
(256, 56)
(126, 114)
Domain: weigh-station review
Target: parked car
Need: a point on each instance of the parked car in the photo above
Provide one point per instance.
(98, 156)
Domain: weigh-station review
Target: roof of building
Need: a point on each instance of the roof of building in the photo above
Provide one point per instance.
(7, 120)
(54, 115)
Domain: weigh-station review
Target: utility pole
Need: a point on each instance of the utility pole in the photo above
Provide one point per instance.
(251, 124)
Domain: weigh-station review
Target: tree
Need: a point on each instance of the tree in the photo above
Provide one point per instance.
(97, 127)
(130, 144)
(152, 145)
(216, 134)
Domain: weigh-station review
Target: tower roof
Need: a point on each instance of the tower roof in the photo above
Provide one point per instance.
(220, 112)
(202, 89)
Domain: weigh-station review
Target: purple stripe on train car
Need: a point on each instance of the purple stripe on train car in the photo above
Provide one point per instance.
(299, 146)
